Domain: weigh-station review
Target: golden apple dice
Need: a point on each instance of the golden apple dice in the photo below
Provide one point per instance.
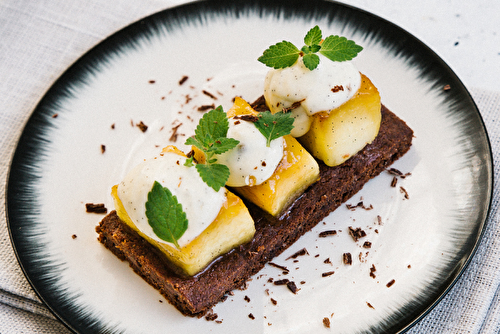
(296, 171)
(335, 137)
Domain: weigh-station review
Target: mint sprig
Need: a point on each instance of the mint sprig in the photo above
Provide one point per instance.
(211, 138)
(165, 214)
(273, 126)
(285, 54)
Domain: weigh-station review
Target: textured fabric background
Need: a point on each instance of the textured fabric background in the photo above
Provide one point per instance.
(40, 39)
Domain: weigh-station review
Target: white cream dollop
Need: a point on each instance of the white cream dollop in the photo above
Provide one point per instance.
(251, 162)
(200, 202)
(323, 89)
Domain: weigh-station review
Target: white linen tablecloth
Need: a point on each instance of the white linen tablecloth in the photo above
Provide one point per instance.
(40, 39)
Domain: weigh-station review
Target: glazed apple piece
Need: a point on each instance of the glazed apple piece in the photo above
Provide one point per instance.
(232, 226)
(296, 171)
(336, 136)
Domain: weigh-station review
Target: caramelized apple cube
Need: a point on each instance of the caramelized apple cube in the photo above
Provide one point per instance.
(335, 137)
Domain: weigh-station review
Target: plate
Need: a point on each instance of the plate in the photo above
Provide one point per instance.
(84, 136)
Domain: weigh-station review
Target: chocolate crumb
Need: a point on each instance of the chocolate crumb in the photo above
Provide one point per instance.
(247, 299)
(325, 234)
(347, 258)
(447, 87)
(274, 301)
(292, 287)
(55, 115)
(301, 252)
(113, 126)
(211, 316)
(96, 208)
(270, 280)
(370, 305)
(103, 149)
(326, 322)
(409, 266)
(328, 273)
(251, 316)
(224, 298)
(357, 233)
(183, 80)
(161, 301)
(367, 244)
(209, 94)
(73, 236)
(142, 126)
(390, 283)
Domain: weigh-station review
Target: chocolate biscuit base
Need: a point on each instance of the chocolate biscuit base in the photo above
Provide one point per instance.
(195, 295)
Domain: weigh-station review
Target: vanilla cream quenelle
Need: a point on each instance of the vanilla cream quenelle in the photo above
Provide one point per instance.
(200, 202)
(323, 89)
(251, 162)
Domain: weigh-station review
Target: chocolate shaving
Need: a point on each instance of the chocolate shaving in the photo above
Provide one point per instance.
(325, 234)
(397, 172)
(274, 301)
(174, 135)
(446, 87)
(337, 88)
(96, 208)
(403, 190)
(73, 236)
(209, 94)
(301, 252)
(347, 258)
(247, 299)
(394, 182)
(357, 233)
(370, 305)
(251, 316)
(206, 107)
(55, 115)
(282, 281)
(248, 118)
(151, 81)
(183, 80)
(211, 316)
(391, 282)
(292, 287)
(326, 322)
(359, 205)
(294, 105)
(327, 261)
(279, 267)
(367, 244)
(142, 126)
(259, 104)
(103, 149)
(372, 271)
(328, 273)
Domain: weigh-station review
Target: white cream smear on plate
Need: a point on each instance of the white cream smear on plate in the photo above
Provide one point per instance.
(200, 202)
(323, 89)
(251, 162)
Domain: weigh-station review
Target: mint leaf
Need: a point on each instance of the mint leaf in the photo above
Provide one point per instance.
(273, 126)
(311, 61)
(165, 214)
(222, 145)
(313, 36)
(212, 125)
(211, 139)
(281, 55)
(335, 48)
(338, 48)
(214, 175)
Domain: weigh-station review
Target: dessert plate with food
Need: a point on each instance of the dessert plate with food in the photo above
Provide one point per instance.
(226, 166)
